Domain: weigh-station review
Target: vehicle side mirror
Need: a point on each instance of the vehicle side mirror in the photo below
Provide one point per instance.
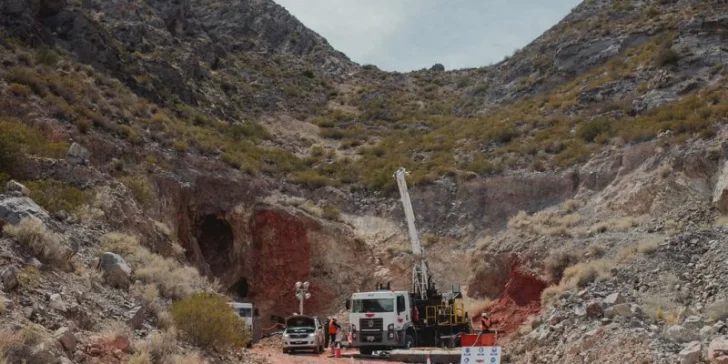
(348, 304)
(256, 313)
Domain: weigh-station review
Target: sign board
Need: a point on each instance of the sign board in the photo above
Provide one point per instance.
(480, 355)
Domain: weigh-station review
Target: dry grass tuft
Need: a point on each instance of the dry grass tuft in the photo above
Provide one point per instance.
(44, 244)
(172, 279)
(18, 346)
(582, 274)
(559, 260)
(649, 246)
(661, 308)
(545, 223)
(570, 206)
(596, 250)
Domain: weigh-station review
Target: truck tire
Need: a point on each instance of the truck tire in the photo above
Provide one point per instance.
(409, 340)
(365, 351)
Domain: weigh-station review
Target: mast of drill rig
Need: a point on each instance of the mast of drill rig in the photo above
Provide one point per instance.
(421, 280)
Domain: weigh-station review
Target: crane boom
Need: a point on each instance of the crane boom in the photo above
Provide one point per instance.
(421, 280)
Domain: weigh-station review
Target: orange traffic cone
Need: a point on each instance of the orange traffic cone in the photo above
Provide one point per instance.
(428, 359)
(338, 350)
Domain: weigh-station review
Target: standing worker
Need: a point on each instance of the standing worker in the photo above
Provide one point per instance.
(333, 329)
(485, 323)
(326, 336)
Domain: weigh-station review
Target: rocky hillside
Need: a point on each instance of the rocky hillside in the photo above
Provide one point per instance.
(168, 145)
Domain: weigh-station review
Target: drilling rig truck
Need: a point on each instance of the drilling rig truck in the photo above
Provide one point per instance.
(386, 319)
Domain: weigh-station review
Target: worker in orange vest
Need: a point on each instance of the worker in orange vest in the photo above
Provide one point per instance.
(485, 323)
(333, 330)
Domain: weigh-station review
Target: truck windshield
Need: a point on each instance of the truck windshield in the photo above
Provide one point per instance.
(245, 312)
(373, 305)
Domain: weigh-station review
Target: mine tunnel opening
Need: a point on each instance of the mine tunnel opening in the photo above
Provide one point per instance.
(216, 240)
(241, 288)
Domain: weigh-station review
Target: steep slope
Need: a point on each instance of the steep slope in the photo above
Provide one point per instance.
(229, 130)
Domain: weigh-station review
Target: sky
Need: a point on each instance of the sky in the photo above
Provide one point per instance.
(406, 35)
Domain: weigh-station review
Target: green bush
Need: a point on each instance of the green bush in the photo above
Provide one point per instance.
(57, 196)
(141, 188)
(19, 90)
(208, 322)
(331, 213)
(591, 129)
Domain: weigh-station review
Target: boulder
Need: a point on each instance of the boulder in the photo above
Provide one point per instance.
(10, 278)
(720, 193)
(115, 270)
(707, 331)
(691, 353)
(14, 209)
(718, 350)
(614, 299)
(594, 309)
(679, 334)
(56, 303)
(693, 323)
(136, 318)
(623, 309)
(437, 67)
(16, 189)
(66, 338)
(77, 154)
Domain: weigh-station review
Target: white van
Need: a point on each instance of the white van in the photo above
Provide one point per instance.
(247, 313)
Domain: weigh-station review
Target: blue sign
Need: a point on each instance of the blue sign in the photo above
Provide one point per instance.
(480, 354)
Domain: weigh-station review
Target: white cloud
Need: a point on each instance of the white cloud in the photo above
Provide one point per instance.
(403, 35)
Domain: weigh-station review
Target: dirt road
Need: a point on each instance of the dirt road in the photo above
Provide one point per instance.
(275, 356)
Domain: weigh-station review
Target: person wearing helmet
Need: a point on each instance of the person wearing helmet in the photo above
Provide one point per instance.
(485, 322)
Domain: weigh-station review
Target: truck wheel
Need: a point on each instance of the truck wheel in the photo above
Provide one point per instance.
(409, 340)
(365, 351)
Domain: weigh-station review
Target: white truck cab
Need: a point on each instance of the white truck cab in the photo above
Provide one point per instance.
(247, 313)
(381, 320)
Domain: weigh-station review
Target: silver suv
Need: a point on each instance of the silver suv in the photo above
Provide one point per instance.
(303, 333)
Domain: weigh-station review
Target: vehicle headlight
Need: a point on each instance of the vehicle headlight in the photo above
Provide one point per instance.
(286, 336)
(310, 335)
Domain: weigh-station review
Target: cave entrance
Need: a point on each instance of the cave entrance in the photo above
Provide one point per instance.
(216, 240)
(241, 288)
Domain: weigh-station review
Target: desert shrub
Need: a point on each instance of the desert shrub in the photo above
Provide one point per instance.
(33, 234)
(19, 90)
(17, 139)
(208, 322)
(581, 274)
(551, 294)
(19, 346)
(666, 57)
(56, 196)
(559, 260)
(649, 246)
(29, 277)
(589, 130)
(310, 179)
(661, 308)
(159, 347)
(172, 279)
(331, 213)
(141, 188)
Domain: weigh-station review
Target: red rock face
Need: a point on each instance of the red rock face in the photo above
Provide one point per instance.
(520, 299)
(279, 257)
